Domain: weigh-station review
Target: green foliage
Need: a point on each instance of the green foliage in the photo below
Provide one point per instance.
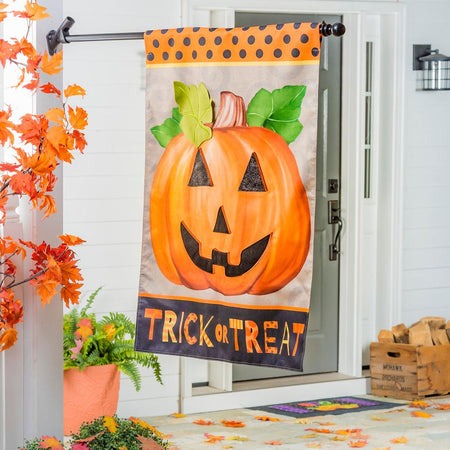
(168, 129)
(278, 111)
(33, 444)
(196, 109)
(126, 435)
(109, 340)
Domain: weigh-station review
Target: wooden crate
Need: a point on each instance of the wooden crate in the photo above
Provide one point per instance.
(409, 372)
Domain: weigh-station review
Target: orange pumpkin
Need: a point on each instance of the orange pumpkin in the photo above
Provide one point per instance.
(231, 215)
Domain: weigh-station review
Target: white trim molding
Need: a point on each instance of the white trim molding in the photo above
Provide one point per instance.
(370, 277)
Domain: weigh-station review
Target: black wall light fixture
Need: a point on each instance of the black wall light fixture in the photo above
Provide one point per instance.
(433, 69)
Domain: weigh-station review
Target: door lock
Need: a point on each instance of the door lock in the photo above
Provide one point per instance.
(334, 218)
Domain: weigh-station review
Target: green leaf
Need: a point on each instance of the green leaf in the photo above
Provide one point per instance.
(196, 109)
(168, 129)
(278, 111)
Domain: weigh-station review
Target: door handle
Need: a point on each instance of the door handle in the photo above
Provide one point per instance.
(334, 218)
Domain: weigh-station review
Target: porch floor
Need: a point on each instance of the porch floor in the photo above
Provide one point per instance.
(377, 427)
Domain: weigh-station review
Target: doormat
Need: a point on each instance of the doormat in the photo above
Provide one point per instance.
(336, 405)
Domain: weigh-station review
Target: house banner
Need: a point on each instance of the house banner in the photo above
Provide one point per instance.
(231, 120)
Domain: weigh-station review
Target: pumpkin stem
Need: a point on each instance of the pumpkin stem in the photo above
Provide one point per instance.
(231, 111)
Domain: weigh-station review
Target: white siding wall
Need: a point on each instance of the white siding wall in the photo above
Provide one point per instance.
(103, 189)
(426, 257)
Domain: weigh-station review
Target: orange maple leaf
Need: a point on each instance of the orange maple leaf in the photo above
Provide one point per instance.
(78, 118)
(52, 65)
(319, 430)
(5, 127)
(55, 115)
(71, 240)
(53, 269)
(419, 404)
(212, 439)
(3, 5)
(7, 338)
(70, 272)
(421, 414)
(84, 329)
(49, 88)
(357, 444)
(58, 140)
(46, 289)
(74, 89)
(233, 423)
(35, 11)
(273, 443)
(442, 406)
(110, 331)
(41, 163)
(178, 415)
(267, 419)
(50, 443)
(70, 293)
(109, 422)
(5, 51)
(48, 203)
(203, 422)
(400, 440)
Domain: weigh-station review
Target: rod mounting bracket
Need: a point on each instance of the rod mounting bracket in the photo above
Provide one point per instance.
(56, 37)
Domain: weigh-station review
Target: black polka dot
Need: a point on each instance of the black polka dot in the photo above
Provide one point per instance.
(195, 29)
(164, 31)
(295, 52)
(251, 40)
(304, 38)
(186, 41)
(279, 26)
(228, 29)
(235, 40)
(213, 29)
(286, 39)
(165, 56)
(314, 25)
(227, 54)
(218, 40)
(259, 53)
(242, 53)
(277, 53)
(262, 27)
(194, 54)
(180, 30)
(297, 26)
(245, 28)
(315, 51)
(209, 54)
(202, 41)
(171, 42)
(268, 39)
(150, 56)
(148, 32)
(155, 43)
(178, 55)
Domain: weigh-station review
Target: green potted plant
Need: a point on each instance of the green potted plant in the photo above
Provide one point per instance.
(95, 351)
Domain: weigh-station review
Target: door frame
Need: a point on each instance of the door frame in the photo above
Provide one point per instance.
(370, 261)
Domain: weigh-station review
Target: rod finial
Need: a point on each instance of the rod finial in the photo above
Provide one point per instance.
(336, 29)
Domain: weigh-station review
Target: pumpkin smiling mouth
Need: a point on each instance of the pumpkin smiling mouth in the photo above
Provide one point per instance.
(249, 256)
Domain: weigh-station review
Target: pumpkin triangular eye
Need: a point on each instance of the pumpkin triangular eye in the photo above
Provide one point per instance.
(200, 174)
(253, 180)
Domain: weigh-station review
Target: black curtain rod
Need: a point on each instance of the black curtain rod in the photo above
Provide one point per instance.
(62, 36)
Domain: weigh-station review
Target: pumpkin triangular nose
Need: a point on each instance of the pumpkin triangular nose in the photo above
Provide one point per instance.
(221, 223)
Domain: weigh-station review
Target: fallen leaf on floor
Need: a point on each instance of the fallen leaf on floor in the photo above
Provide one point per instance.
(395, 411)
(419, 404)
(338, 438)
(309, 436)
(319, 430)
(303, 421)
(400, 440)
(384, 448)
(379, 419)
(326, 424)
(237, 438)
(149, 443)
(357, 444)
(203, 422)
(233, 423)
(267, 419)
(349, 431)
(273, 443)
(178, 415)
(442, 405)
(212, 439)
(421, 414)
(227, 446)
(314, 445)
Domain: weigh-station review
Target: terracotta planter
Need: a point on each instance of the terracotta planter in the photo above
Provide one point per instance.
(88, 394)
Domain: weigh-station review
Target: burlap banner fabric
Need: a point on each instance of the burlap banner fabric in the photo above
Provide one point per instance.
(231, 120)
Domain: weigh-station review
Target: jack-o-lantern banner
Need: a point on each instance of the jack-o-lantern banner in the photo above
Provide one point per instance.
(229, 193)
